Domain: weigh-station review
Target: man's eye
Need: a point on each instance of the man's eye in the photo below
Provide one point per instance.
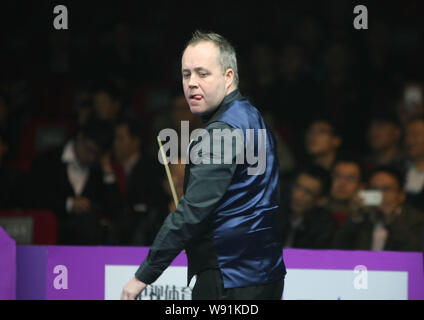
(203, 74)
(186, 75)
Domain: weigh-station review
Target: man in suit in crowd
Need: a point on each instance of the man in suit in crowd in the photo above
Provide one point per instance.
(393, 225)
(77, 184)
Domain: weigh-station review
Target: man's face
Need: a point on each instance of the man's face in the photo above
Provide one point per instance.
(305, 193)
(105, 107)
(124, 144)
(204, 81)
(346, 181)
(393, 195)
(320, 139)
(86, 150)
(414, 139)
(382, 135)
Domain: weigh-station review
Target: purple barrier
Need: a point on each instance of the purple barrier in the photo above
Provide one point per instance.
(32, 272)
(7, 266)
(65, 272)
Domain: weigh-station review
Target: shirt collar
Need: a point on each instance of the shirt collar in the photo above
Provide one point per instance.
(130, 163)
(217, 112)
(68, 155)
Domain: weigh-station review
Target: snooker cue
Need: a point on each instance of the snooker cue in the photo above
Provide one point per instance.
(168, 173)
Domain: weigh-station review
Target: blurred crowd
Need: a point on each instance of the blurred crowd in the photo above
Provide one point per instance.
(80, 111)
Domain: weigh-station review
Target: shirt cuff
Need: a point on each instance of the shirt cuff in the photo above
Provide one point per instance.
(109, 178)
(147, 274)
(69, 204)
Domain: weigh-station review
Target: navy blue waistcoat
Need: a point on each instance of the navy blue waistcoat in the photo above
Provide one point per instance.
(245, 235)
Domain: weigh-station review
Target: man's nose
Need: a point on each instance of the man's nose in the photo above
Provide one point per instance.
(192, 82)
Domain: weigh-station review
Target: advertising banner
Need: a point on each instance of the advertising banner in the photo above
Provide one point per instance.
(101, 272)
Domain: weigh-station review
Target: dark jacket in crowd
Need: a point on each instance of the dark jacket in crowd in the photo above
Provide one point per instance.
(405, 233)
(50, 188)
(145, 204)
(316, 230)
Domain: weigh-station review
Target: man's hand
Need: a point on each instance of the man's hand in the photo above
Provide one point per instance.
(81, 205)
(132, 289)
(106, 163)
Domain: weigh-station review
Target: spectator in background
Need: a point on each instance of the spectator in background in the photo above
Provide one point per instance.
(322, 142)
(107, 104)
(150, 227)
(414, 147)
(140, 181)
(384, 135)
(392, 225)
(304, 222)
(285, 156)
(347, 181)
(411, 103)
(76, 181)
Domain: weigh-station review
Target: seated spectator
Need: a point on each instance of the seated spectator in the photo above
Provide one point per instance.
(76, 183)
(147, 229)
(107, 104)
(140, 180)
(384, 136)
(393, 225)
(414, 147)
(347, 180)
(304, 222)
(410, 104)
(322, 142)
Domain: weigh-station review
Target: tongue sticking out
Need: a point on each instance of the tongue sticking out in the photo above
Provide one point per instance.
(197, 97)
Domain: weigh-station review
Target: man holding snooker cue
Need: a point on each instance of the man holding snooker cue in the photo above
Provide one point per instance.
(226, 219)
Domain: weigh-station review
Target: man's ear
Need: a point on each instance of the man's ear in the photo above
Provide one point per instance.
(229, 77)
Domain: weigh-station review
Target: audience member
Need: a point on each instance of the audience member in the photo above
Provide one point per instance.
(384, 135)
(303, 222)
(414, 147)
(392, 225)
(107, 105)
(322, 142)
(79, 186)
(347, 180)
(140, 181)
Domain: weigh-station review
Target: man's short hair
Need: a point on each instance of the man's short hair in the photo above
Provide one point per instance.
(320, 174)
(110, 89)
(393, 172)
(335, 130)
(227, 54)
(351, 158)
(386, 117)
